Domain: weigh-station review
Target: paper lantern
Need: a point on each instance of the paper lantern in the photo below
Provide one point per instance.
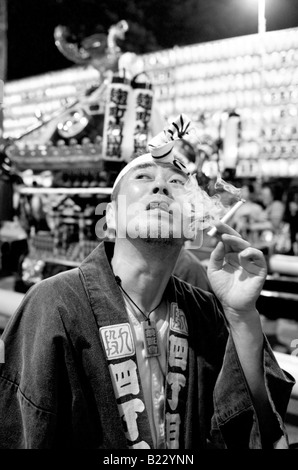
(137, 119)
(115, 114)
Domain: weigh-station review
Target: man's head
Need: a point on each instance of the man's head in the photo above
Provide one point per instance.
(151, 197)
(148, 201)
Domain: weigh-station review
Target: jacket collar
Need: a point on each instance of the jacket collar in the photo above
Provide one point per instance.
(102, 289)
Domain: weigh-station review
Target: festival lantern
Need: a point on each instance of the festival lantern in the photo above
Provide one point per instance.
(137, 118)
(114, 118)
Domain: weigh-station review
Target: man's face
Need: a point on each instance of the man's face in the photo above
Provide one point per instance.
(151, 205)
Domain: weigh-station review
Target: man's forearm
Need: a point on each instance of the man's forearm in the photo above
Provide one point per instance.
(248, 338)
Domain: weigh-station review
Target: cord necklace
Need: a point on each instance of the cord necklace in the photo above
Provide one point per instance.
(149, 328)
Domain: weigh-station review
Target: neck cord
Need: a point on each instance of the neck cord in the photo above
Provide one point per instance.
(118, 280)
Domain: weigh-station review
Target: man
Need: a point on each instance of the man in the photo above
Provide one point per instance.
(120, 354)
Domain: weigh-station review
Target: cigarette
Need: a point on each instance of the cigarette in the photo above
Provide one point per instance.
(227, 216)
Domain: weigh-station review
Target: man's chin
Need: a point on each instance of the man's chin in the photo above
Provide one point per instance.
(156, 230)
(160, 236)
(159, 241)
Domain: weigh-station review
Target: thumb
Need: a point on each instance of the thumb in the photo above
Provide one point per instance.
(217, 257)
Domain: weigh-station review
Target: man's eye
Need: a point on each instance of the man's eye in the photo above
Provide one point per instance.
(142, 176)
(177, 181)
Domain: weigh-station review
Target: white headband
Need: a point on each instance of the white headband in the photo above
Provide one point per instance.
(160, 146)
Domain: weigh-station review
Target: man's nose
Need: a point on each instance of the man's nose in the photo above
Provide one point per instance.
(160, 186)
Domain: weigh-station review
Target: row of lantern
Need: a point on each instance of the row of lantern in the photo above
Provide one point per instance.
(66, 84)
(253, 150)
(59, 152)
(272, 111)
(173, 99)
(278, 86)
(281, 137)
(273, 42)
(239, 66)
(43, 95)
(262, 168)
(216, 102)
(76, 76)
(267, 168)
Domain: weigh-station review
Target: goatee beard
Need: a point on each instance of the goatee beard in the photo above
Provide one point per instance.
(159, 241)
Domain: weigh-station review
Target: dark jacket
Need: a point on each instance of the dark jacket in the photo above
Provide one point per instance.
(190, 269)
(55, 386)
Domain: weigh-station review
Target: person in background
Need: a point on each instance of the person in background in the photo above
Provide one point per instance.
(6, 188)
(120, 354)
(291, 217)
(13, 240)
(268, 232)
(274, 208)
(247, 214)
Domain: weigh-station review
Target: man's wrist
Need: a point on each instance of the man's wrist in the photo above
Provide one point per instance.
(242, 316)
(246, 329)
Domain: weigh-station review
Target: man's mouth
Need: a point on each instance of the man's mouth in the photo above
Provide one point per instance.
(163, 206)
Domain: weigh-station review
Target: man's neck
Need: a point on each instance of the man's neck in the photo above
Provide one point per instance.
(144, 269)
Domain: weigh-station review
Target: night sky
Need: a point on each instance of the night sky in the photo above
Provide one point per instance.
(31, 49)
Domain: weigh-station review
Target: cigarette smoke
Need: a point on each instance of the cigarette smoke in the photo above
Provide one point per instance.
(207, 209)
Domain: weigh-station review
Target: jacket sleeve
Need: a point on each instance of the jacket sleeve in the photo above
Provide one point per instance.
(235, 423)
(32, 374)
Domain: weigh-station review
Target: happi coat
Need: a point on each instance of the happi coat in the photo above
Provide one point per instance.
(70, 377)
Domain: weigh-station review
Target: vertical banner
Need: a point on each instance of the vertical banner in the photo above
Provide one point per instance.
(114, 118)
(136, 127)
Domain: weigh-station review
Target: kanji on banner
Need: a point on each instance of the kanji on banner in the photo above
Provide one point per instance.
(115, 113)
(137, 122)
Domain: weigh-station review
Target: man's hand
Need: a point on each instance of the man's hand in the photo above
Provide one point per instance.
(236, 271)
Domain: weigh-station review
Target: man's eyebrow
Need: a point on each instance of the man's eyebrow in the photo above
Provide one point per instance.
(143, 166)
(169, 165)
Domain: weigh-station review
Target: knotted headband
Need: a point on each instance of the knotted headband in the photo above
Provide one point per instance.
(161, 146)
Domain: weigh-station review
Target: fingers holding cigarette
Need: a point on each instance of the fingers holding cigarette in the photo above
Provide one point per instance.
(231, 239)
(221, 226)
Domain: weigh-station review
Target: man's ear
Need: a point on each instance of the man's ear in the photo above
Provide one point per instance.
(111, 213)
